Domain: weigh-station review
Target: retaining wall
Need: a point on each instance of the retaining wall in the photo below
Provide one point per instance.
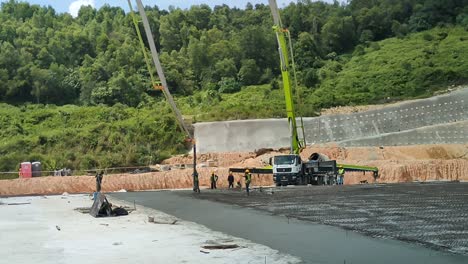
(436, 120)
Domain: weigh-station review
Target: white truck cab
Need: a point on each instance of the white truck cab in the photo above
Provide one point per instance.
(287, 169)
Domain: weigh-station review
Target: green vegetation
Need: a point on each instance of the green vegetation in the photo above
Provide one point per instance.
(75, 92)
(95, 58)
(86, 137)
(399, 69)
(395, 69)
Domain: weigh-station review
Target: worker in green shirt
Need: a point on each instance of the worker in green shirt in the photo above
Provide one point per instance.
(341, 172)
(214, 180)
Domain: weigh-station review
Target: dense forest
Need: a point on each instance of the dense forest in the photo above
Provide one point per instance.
(53, 58)
(75, 92)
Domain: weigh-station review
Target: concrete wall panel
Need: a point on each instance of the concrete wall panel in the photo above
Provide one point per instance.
(383, 126)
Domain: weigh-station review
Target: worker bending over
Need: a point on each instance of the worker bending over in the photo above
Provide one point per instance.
(248, 179)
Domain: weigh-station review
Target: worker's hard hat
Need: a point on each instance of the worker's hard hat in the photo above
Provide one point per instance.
(341, 166)
(247, 170)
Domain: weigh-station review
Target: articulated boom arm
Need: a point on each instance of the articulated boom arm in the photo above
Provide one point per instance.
(281, 34)
(163, 84)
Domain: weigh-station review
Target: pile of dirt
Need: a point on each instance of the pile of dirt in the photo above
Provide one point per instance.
(219, 159)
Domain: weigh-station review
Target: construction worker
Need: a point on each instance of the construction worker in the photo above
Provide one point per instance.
(214, 179)
(99, 177)
(196, 183)
(248, 179)
(341, 172)
(231, 180)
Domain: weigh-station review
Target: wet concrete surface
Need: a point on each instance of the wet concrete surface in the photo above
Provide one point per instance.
(432, 214)
(255, 218)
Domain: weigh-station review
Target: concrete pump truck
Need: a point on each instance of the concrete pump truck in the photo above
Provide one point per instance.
(291, 169)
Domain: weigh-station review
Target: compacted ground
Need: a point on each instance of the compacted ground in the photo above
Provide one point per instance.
(432, 214)
(48, 229)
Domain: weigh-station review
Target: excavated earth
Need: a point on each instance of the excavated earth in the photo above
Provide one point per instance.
(420, 163)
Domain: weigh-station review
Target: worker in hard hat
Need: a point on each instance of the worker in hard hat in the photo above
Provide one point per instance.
(248, 179)
(214, 179)
(340, 177)
(231, 180)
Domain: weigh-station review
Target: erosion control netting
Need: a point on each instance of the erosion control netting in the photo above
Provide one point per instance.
(433, 214)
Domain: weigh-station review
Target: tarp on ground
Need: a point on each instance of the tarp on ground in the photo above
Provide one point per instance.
(101, 207)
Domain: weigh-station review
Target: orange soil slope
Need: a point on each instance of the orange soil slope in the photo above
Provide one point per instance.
(174, 179)
(396, 164)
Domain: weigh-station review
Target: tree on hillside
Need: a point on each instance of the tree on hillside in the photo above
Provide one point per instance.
(95, 57)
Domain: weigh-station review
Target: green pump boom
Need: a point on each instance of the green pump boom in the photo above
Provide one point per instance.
(281, 34)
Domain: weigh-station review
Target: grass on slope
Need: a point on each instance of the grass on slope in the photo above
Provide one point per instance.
(86, 137)
(252, 102)
(395, 69)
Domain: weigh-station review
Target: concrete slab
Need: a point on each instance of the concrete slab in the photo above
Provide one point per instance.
(48, 230)
(314, 243)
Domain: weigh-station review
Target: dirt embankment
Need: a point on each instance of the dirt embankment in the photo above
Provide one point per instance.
(396, 164)
(402, 164)
(219, 159)
(174, 179)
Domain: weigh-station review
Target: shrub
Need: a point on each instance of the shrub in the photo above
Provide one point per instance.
(229, 85)
(428, 37)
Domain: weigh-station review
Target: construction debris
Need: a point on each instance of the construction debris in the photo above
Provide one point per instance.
(102, 208)
(230, 246)
(86, 210)
(151, 219)
(17, 203)
(220, 244)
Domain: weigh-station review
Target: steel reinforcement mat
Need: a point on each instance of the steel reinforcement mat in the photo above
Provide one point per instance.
(431, 214)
